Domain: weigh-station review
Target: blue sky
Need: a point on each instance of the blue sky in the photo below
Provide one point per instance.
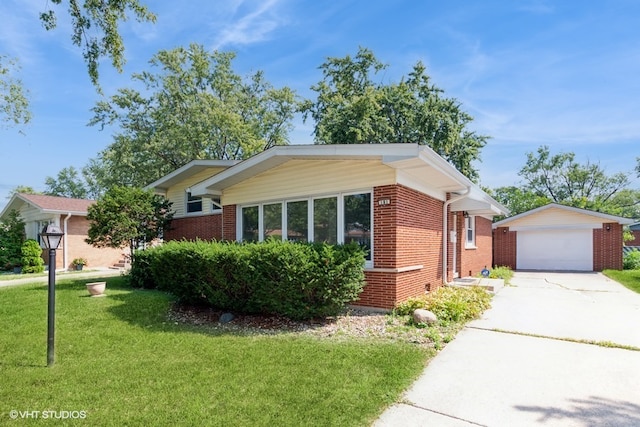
(531, 72)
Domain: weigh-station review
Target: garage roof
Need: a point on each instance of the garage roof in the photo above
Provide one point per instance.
(525, 219)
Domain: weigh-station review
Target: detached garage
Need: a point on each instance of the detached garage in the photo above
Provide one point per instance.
(557, 237)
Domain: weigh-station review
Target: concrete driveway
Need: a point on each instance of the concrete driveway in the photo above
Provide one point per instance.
(526, 361)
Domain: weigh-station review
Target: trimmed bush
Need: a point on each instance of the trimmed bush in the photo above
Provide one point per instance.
(296, 280)
(501, 272)
(631, 260)
(450, 304)
(32, 261)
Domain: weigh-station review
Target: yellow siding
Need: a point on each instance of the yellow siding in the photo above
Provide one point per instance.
(298, 178)
(177, 193)
(555, 217)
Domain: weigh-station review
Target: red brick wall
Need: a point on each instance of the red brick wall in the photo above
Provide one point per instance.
(504, 247)
(205, 227)
(607, 247)
(407, 233)
(77, 229)
(473, 260)
(229, 222)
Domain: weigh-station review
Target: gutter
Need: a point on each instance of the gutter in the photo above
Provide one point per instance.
(445, 231)
(65, 254)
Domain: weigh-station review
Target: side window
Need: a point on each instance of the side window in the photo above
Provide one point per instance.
(470, 227)
(194, 204)
(216, 205)
(298, 221)
(272, 214)
(250, 224)
(357, 220)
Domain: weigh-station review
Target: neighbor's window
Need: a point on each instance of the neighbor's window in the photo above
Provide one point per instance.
(216, 204)
(297, 221)
(470, 227)
(357, 220)
(250, 223)
(325, 220)
(194, 204)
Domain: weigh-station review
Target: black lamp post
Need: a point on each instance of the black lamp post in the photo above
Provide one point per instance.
(51, 236)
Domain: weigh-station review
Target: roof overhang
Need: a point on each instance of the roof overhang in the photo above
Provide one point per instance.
(415, 164)
(602, 216)
(190, 169)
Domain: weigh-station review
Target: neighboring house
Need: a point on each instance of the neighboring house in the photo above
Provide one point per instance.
(38, 210)
(403, 202)
(558, 237)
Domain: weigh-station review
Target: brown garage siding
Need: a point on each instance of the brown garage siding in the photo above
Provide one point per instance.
(607, 247)
(504, 247)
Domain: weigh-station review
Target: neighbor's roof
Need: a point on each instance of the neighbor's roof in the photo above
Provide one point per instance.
(418, 161)
(49, 204)
(604, 217)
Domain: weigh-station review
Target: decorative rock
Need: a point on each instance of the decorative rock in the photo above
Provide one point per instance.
(226, 318)
(424, 316)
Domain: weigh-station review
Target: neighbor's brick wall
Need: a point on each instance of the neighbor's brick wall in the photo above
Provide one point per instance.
(204, 227)
(407, 232)
(504, 247)
(473, 260)
(229, 222)
(77, 229)
(607, 247)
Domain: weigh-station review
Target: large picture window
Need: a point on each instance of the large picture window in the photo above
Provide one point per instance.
(334, 219)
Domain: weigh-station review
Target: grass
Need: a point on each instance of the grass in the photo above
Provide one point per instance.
(13, 276)
(629, 278)
(121, 361)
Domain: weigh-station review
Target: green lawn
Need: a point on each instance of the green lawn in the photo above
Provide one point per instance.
(629, 278)
(121, 361)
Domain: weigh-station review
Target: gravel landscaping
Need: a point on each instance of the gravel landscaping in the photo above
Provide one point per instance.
(353, 323)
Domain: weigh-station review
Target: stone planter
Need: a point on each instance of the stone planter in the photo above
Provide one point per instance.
(96, 289)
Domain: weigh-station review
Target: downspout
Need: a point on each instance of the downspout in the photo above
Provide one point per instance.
(65, 254)
(445, 232)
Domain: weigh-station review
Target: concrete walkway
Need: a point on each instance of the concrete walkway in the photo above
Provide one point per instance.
(92, 273)
(525, 362)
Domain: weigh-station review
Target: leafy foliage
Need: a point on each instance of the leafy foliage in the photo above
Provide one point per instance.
(501, 272)
(14, 103)
(32, 261)
(12, 236)
(67, 184)
(192, 106)
(450, 304)
(631, 260)
(296, 280)
(352, 109)
(103, 17)
(128, 216)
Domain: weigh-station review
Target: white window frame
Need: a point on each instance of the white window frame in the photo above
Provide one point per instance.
(470, 226)
(216, 207)
(186, 204)
(310, 224)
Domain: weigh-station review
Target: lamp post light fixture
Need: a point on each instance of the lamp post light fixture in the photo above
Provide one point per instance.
(51, 237)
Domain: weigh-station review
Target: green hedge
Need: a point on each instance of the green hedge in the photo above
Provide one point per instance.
(297, 280)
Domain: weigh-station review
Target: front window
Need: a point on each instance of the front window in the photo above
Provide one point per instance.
(297, 221)
(334, 220)
(357, 220)
(194, 204)
(470, 227)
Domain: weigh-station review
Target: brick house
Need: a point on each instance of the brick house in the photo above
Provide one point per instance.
(38, 210)
(403, 202)
(558, 237)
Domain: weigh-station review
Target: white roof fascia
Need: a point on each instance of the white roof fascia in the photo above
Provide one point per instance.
(184, 170)
(606, 217)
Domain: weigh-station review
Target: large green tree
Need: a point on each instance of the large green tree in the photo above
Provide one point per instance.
(352, 108)
(128, 216)
(12, 236)
(192, 106)
(68, 183)
(14, 102)
(94, 28)
(559, 178)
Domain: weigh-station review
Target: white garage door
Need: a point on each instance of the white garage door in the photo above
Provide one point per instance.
(555, 250)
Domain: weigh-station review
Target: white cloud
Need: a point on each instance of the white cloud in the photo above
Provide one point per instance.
(253, 27)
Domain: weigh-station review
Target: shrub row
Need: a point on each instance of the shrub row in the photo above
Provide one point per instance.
(631, 260)
(297, 280)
